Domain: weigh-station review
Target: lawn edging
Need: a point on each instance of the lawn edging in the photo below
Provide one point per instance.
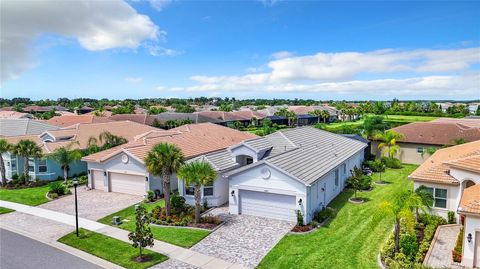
(188, 227)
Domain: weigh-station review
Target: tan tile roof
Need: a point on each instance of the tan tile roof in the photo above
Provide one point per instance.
(436, 169)
(232, 116)
(466, 122)
(470, 202)
(5, 114)
(193, 139)
(437, 133)
(69, 120)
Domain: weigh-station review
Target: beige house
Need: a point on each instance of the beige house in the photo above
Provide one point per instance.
(419, 137)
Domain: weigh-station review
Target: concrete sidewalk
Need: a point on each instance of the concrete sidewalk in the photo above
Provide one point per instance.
(173, 252)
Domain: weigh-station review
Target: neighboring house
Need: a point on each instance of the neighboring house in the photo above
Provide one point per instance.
(229, 118)
(452, 175)
(163, 118)
(83, 110)
(472, 108)
(420, 136)
(293, 169)
(470, 209)
(15, 127)
(69, 120)
(77, 136)
(301, 111)
(122, 169)
(6, 114)
(278, 120)
(42, 109)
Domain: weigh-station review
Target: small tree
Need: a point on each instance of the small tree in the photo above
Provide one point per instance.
(355, 180)
(142, 237)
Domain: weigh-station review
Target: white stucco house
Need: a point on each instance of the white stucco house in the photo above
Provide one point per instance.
(294, 169)
(453, 177)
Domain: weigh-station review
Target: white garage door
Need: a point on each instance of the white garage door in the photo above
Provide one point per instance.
(269, 205)
(98, 180)
(126, 183)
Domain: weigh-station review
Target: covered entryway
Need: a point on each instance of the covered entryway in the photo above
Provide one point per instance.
(269, 205)
(127, 183)
(98, 180)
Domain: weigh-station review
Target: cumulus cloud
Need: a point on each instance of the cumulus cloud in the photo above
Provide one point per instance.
(159, 5)
(96, 25)
(156, 50)
(281, 54)
(134, 80)
(427, 72)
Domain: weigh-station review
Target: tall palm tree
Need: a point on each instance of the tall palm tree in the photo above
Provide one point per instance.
(4, 148)
(27, 149)
(325, 115)
(198, 174)
(317, 113)
(163, 160)
(389, 144)
(65, 156)
(110, 140)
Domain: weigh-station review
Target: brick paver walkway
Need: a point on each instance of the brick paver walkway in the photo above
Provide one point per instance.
(441, 247)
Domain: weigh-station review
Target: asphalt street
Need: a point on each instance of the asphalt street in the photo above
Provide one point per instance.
(20, 252)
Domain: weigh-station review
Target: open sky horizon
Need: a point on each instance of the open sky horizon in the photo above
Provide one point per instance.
(321, 50)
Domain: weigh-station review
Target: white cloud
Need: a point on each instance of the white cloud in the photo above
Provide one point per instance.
(156, 50)
(269, 3)
(281, 54)
(159, 5)
(96, 25)
(134, 80)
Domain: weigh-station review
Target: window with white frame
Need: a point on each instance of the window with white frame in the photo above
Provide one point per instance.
(31, 165)
(42, 165)
(208, 190)
(13, 164)
(336, 177)
(439, 197)
(420, 150)
(190, 190)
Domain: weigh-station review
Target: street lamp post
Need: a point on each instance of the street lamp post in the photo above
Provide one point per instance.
(75, 184)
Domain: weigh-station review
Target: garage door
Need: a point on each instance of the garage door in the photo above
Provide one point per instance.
(127, 183)
(98, 179)
(270, 205)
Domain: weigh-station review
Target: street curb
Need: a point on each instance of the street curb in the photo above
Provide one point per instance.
(76, 252)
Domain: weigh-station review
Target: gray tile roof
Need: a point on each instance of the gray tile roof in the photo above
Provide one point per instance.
(220, 160)
(15, 127)
(307, 153)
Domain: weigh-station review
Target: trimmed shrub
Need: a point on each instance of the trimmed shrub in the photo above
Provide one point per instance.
(150, 196)
(457, 251)
(58, 188)
(376, 165)
(323, 214)
(451, 217)
(409, 245)
(177, 202)
(366, 183)
(299, 218)
(392, 162)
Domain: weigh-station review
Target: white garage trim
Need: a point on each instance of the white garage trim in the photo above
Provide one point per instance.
(270, 205)
(267, 190)
(127, 183)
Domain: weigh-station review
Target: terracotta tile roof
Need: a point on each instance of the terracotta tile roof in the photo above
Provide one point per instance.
(193, 139)
(139, 118)
(470, 202)
(6, 114)
(466, 122)
(437, 133)
(69, 120)
(436, 169)
(232, 116)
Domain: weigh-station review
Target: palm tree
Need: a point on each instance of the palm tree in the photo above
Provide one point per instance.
(110, 140)
(27, 149)
(425, 199)
(389, 144)
(65, 156)
(317, 113)
(400, 210)
(198, 174)
(4, 148)
(163, 160)
(325, 115)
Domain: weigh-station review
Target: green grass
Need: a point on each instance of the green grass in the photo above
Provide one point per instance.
(4, 210)
(110, 249)
(28, 196)
(352, 239)
(409, 118)
(177, 236)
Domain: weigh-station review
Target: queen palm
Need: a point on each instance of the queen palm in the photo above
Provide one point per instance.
(163, 160)
(4, 147)
(389, 144)
(65, 156)
(27, 149)
(198, 174)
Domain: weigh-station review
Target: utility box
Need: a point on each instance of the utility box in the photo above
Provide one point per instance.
(116, 220)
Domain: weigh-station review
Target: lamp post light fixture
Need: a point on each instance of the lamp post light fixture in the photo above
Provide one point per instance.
(469, 238)
(232, 193)
(75, 184)
(300, 201)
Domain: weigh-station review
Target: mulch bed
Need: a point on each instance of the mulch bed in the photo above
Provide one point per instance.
(356, 200)
(302, 229)
(143, 258)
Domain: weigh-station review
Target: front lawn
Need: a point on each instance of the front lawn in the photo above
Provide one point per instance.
(352, 239)
(177, 236)
(29, 196)
(110, 249)
(4, 210)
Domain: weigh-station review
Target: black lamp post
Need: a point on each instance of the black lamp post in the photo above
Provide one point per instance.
(75, 184)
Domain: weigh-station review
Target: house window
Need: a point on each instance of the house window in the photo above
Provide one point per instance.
(208, 190)
(249, 160)
(31, 165)
(336, 177)
(420, 150)
(13, 162)
(42, 166)
(439, 197)
(344, 168)
(190, 190)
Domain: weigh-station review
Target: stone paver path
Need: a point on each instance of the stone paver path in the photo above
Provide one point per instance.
(441, 247)
(243, 239)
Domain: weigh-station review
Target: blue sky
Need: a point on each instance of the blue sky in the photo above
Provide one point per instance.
(321, 50)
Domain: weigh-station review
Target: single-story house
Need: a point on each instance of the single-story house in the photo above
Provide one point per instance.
(10, 114)
(245, 117)
(15, 127)
(69, 120)
(77, 136)
(83, 110)
(278, 120)
(163, 118)
(452, 175)
(293, 169)
(420, 136)
(305, 110)
(122, 169)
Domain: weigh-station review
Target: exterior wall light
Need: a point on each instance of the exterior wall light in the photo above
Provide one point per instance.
(232, 193)
(300, 201)
(88, 171)
(146, 179)
(469, 238)
(104, 173)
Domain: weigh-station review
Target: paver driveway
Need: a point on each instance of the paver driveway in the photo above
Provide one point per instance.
(243, 239)
(92, 204)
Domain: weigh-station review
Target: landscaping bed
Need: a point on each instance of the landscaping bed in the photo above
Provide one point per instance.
(111, 249)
